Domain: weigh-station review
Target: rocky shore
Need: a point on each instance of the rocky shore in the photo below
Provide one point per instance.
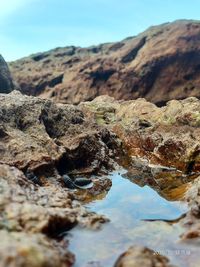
(41, 141)
(58, 128)
(160, 64)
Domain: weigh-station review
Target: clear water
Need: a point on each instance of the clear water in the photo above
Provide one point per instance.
(128, 205)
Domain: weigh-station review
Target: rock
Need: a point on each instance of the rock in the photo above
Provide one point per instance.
(6, 83)
(159, 64)
(100, 188)
(35, 250)
(38, 135)
(82, 181)
(169, 137)
(192, 220)
(34, 217)
(68, 182)
(41, 141)
(139, 256)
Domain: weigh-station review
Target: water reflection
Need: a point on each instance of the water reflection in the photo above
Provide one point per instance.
(127, 205)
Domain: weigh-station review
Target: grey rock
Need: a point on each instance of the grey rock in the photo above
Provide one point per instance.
(6, 83)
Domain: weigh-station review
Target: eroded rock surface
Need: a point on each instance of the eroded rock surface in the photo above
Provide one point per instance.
(167, 136)
(40, 141)
(159, 64)
(6, 83)
(39, 136)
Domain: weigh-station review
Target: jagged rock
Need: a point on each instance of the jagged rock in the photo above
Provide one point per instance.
(139, 256)
(168, 136)
(37, 134)
(159, 64)
(31, 217)
(41, 141)
(6, 84)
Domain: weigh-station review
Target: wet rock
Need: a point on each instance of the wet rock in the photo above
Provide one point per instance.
(147, 131)
(82, 181)
(140, 256)
(192, 220)
(100, 187)
(33, 216)
(68, 182)
(77, 183)
(6, 83)
(43, 141)
(26, 206)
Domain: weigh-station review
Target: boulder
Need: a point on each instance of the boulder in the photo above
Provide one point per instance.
(6, 83)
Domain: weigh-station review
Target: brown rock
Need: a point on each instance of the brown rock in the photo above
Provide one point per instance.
(161, 135)
(32, 216)
(34, 250)
(192, 220)
(38, 135)
(140, 256)
(159, 64)
(41, 140)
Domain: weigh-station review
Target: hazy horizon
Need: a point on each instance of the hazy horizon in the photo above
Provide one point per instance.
(31, 26)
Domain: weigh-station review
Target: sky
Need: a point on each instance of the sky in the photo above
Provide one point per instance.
(30, 26)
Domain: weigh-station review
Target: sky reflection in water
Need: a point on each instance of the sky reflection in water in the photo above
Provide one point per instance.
(126, 205)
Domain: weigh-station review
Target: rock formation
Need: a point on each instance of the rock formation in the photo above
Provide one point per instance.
(159, 64)
(40, 141)
(6, 84)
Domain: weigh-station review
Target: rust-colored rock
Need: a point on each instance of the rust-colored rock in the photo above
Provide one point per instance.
(160, 135)
(159, 64)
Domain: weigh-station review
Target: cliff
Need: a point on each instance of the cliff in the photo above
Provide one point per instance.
(160, 64)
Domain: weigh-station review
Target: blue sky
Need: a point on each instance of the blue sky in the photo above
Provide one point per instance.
(29, 26)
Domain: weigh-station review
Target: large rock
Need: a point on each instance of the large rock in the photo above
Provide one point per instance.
(40, 141)
(6, 84)
(159, 64)
(168, 135)
(38, 135)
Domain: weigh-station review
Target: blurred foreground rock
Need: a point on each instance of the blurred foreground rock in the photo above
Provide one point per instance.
(139, 256)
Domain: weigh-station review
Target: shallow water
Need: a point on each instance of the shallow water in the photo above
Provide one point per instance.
(128, 205)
